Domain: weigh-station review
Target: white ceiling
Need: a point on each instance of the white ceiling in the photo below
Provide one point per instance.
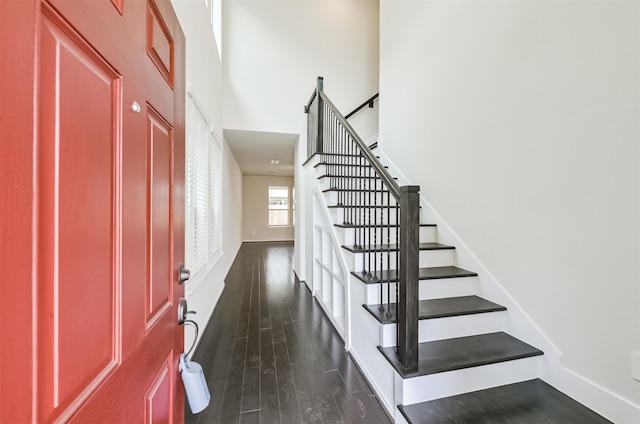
(254, 151)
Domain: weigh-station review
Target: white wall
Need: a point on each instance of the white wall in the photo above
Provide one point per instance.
(520, 122)
(255, 213)
(273, 53)
(204, 73)
(274, 50)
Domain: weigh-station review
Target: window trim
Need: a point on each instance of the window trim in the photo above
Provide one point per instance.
(289, 210)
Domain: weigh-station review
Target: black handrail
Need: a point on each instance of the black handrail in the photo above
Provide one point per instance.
(369, 103)
(394, 188)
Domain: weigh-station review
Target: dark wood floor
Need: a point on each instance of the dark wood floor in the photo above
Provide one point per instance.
(270, 355)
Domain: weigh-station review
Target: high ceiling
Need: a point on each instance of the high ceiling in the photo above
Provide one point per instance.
(254, 151)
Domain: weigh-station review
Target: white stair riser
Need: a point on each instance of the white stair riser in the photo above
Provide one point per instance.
(368, 183)
(347, 236)
(448, 287)
(338, 167)
(449, 327)
(436, 386)
(382, 260)
(429, 289)
(380, 216)
(359, 198)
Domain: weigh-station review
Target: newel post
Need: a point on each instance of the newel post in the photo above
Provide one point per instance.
(319, 143)
(408, 276)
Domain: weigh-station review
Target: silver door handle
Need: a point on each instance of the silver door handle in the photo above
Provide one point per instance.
(183, 311)
(183, 274)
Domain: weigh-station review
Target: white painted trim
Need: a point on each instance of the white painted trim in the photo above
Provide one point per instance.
(201, 331)
(390, 409)
(343, 265)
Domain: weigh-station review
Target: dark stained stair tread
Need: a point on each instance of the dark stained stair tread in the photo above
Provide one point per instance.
(352, 176)
(354, 190)
(362, 206)
(394, 247)
(439, 308)
(343, 225)
(362, 165)
(462, 352)
(344, 155)
(528, 402)
(430, 273)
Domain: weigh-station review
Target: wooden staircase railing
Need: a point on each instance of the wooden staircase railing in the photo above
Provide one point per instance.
(378, 209)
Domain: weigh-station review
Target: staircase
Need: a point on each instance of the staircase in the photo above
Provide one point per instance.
(419, 328)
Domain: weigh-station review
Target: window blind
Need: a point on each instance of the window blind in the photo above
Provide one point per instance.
(203, 187)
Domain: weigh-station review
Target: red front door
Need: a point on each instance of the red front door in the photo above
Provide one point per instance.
(92, 181)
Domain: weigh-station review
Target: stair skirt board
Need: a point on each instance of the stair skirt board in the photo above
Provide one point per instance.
(527, 402)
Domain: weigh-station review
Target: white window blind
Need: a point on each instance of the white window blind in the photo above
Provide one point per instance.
(203, 186)
(215, 197)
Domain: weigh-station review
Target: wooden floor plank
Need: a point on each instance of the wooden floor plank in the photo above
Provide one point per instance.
(233, 389)
(289, 409)
(269, 403)
(250, 396)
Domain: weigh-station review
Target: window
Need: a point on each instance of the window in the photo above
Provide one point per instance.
(278, 206)
(203, 187)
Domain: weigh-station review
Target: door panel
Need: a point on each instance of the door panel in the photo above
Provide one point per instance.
(159, 43)
(158, 398)
(78, 243)
(160, 160)
(97, 195)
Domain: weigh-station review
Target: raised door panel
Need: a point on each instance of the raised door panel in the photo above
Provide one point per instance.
(78, 218)
(158, 398)
(159, 43)
(160, 176)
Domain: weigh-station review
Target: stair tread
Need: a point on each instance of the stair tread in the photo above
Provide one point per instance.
(429, 273)
(527, 402)
(362, 206)
(439, 308)
(352, 176)
(394, 247)
(362, 165)
(463, 352)
(356, 190)
(376, 225)
(340, 155)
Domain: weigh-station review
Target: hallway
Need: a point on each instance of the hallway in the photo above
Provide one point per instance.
(270, 355)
